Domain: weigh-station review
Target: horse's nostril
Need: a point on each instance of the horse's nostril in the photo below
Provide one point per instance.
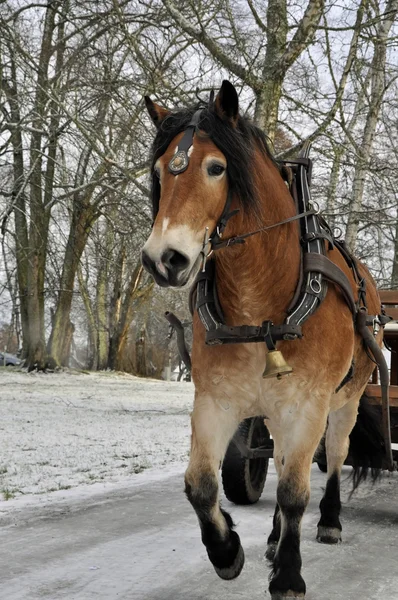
(174, 260)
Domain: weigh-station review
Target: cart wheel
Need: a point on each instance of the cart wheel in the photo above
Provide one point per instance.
(322, 467)
(243, 478)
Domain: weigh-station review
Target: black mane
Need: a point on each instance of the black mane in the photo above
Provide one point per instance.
(236, 143)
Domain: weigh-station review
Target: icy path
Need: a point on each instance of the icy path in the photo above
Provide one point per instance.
(142, 543)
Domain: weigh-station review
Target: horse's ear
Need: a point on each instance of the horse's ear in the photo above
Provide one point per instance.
(227, 102)
(156, 112)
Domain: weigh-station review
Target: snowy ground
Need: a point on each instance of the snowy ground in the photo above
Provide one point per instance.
(118, 526)
(59, 431)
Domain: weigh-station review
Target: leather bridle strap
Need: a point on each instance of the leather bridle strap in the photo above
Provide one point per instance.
(217, 243)
(180, 161)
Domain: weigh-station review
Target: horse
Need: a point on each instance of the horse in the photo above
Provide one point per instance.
(212, 171)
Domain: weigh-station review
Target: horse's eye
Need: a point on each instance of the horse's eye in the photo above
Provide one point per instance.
(215, 169)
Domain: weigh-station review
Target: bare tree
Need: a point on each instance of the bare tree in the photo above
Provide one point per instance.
(378, 87)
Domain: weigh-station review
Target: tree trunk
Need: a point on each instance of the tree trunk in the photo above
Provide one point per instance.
(394, 275)
(115, 305)
(376, 97)
(267, 100)
(331, 197)
(280, 54)
(102, 314)
(92, 330)
(39, 215)
(119, 338)
(19, 203)
(82, 220)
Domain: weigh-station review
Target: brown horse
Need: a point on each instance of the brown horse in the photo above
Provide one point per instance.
(228, 158)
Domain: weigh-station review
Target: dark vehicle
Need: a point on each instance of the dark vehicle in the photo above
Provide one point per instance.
(9, 360)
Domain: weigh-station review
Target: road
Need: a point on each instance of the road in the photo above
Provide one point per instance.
(143, 543)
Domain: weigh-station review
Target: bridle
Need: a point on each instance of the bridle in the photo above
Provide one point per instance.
(179, 163)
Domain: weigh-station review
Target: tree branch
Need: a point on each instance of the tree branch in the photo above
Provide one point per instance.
(304, 34)
(215, 49)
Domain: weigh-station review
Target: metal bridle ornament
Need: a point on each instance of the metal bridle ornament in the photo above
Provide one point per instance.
(180, 161)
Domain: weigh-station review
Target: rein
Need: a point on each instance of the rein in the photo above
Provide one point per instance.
(240, 239)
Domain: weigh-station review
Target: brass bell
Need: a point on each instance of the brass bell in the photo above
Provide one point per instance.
(276, 366)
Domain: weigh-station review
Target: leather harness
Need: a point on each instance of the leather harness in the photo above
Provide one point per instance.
(316, 272)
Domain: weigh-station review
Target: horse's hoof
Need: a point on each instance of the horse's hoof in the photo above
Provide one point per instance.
(271, 551)
(289, 595)
(235, 569)
(287, 584)
(328, 535)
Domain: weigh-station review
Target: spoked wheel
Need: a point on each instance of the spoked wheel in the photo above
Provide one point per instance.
(244, 478)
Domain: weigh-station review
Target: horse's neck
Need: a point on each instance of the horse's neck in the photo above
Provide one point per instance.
(257, 280)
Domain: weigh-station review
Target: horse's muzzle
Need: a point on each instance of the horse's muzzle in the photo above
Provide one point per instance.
(171, 270)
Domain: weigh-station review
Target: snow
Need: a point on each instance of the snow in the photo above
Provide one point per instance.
(113, 532)
(68, 436)
(69, 429)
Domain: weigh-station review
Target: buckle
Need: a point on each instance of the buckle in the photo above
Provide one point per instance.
(376, 325)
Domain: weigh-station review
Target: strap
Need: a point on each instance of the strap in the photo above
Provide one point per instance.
(227, 213)
(302, 161)
(321, 235)
(240, 239)
(322, 264)
(381, 320)
(313, 287)
(242, 334)
(180, 161)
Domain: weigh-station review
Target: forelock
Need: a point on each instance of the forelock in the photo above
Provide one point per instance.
(237, 143)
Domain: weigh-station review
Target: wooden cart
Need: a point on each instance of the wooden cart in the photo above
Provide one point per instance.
(389, 299)
(245, 466)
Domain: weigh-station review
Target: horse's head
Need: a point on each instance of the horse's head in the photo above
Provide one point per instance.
(200, 165)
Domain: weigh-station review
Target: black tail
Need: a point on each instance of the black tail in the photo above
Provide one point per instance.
(367, 448)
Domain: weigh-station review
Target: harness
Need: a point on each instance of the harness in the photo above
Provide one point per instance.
(316, 272)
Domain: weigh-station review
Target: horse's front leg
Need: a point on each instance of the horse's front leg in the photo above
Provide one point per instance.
(213, 425)
(275, 534)
(300, 441)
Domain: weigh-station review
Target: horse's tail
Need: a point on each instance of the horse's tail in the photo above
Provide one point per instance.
(367, 448)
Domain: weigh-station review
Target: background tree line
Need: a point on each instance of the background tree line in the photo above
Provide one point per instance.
(75, 138)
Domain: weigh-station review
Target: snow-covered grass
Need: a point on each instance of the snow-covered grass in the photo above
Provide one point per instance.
(62, 430)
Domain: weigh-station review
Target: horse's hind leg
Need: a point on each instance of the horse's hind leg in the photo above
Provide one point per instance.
(339, 428)
(212, 428)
